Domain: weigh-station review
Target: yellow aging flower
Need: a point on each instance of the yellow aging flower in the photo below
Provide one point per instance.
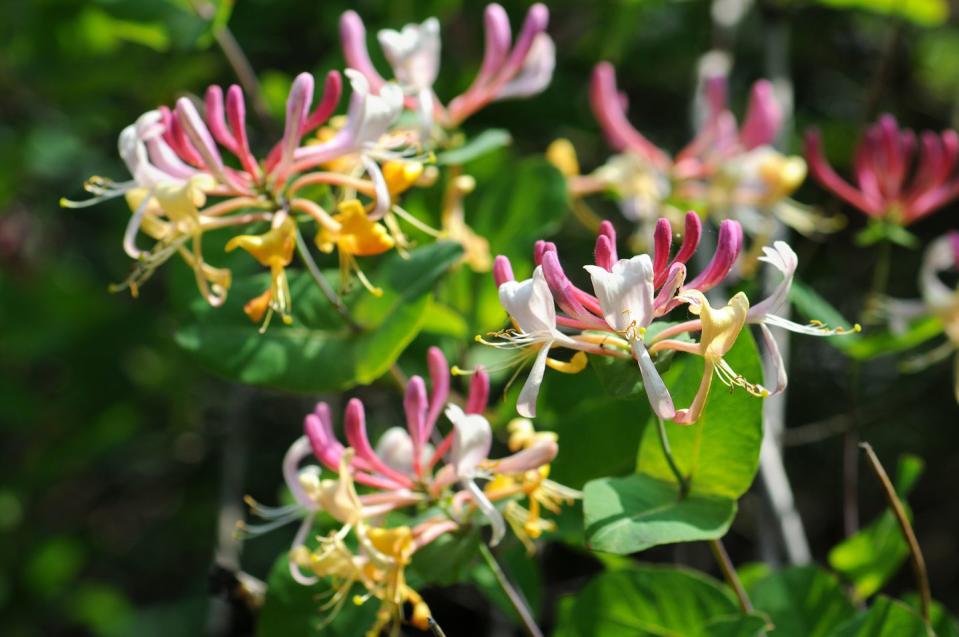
(170, 213)
(720, 329)
(782, 175)
(397, 546)
(354, 234)
(476, 252)
(400, 176)
(273, 249)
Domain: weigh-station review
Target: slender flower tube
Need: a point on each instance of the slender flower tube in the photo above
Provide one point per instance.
(888, 186)
(509, 70)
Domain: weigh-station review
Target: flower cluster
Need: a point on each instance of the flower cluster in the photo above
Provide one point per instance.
(727, 171)
(625, 317)
(509, 70)
(938, 300)
(182, 186)
(411, 468)
(888, 186)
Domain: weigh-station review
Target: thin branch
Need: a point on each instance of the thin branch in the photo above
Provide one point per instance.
(237, 60)
(324, 285)
(515, 597)
(918, 563)
(729, 574)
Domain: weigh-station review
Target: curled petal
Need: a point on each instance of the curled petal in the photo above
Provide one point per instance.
(626, 293)
(826, 176)
(532, 457)
(536, 71)
(355, 429)
(530, 303)
(774, 358)
(291, 471)
(781, 257)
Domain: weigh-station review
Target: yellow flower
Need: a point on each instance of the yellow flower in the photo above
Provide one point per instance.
(273, 249)
(170, 214)
(353, 235)
(397, 546)
(720, 329)
(782, 175)
(476, 252)
(400, 176)
(562, 154)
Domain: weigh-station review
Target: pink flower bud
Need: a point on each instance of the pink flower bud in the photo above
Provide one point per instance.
(662, 242)
(728, 246)
(763, 117)
(479, 392)
(502, 270)
(440, 379)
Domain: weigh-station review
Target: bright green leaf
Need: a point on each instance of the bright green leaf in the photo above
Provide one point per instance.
(626, 515)
(487, 141)
(720, 453)
(646, 601)
(803, 601)
(885, 618)
(318, 352)
(871, 556)
(922, 12)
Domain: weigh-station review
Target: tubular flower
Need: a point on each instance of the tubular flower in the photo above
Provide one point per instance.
(888, 187)
(938, 300)
(411, 469)
(182, 186)
(719, 330)
(509, 70)
(629, 295)
(727, 170)
(273, 249)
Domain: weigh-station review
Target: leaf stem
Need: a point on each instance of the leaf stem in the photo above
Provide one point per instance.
(514, 596)
(324, 285)
(918, 563)
(729, 573)
(668, 452)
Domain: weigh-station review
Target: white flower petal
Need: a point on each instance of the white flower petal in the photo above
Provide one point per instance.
(530, 304)
(526, 404)
(781, 257)
(536, 72)
(414, 53)
(625, 294)
(472, 438)
(777, 367)
(656, 391)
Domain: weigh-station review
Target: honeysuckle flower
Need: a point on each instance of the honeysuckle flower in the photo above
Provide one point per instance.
(937, 300)
(182, 186)
(273, 249)
(509, 70)
(411, 469)
(629, 295)
(476, 252)
(719, 330)
(727, 171)
(888, 187)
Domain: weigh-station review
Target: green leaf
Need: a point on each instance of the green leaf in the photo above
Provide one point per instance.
(942, 622)
(803, 601)
(626, 515)
(446, 559)
(319, 352)
(885, 618)
(720, 453)
(735, 626)
(291, 609)
(486, 142)
(870, 557)
(922, 12)
(644, 601)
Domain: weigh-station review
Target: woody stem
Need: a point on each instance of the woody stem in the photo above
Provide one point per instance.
(729, 573)
(918, 562)
(515, 597)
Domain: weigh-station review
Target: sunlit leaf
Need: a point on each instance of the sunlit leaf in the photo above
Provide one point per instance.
(319, 352)
(802, 601)
(885, 618)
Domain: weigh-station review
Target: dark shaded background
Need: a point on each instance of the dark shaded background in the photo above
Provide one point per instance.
(113, 441)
